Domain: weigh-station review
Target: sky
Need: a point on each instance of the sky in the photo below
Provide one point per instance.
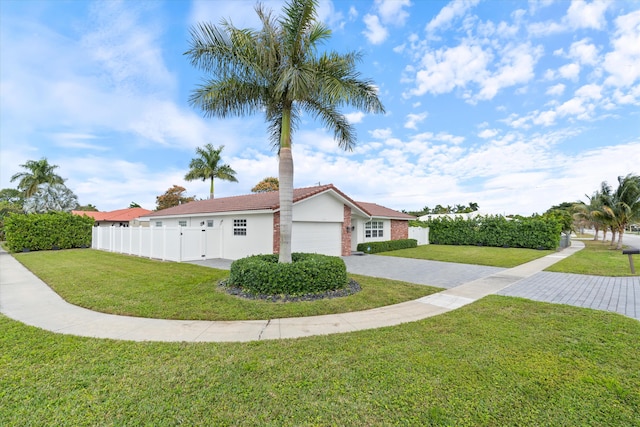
(514, 105)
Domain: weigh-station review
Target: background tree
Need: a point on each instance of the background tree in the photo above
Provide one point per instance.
(51, 197)
(37, 173)
(12, 196)
(87, 208)
(278, 70)
(174, 196)
(208, 165)
(268, 184)
(134, 205)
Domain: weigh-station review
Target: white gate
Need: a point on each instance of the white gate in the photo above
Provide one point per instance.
(165, 243)
(421, 234)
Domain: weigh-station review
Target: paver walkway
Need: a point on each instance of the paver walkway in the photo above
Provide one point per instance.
(26, 298)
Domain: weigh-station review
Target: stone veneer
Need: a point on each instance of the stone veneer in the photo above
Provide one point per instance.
(276, 232)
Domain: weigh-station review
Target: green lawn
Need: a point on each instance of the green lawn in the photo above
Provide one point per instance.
(500, 361)
(127, 285)
(479, 255)
(597, 259)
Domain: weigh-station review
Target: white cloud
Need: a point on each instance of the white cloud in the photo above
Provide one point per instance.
(449, 13)
(587, 15)
(381, 133)
(556, 90)
(584, 51)
(355, 117)
(442, 70)
(488, 133)
(375, 33)
(392, 12)
(569, 71)
(623, 63)
(414, 119)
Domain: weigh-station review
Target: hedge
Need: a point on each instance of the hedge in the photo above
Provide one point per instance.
(52, 230)
(534, 232)
(306, 274)
(389, 245)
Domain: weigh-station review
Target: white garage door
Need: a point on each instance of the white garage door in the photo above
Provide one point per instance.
(317, 237)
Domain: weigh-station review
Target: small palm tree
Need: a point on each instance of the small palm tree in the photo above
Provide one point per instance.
(38, 172)
(208, 166)
(279, 71)
(625, 206)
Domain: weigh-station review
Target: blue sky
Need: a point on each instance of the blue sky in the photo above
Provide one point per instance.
(514, 105)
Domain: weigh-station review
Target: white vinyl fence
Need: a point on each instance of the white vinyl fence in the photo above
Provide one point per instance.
(165, 243)
(421, 234)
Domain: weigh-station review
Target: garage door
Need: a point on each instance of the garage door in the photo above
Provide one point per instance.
(317, 237)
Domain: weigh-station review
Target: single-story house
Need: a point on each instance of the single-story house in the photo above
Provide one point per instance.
(325, 221)
(118, 218)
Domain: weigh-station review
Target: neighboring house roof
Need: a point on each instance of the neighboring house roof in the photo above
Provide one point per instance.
(270, 201)
(120, 215)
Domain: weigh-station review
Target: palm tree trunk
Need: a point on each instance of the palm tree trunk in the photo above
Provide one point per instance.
(211, 189)
(595, 237)
(620, 234)
(285, 172)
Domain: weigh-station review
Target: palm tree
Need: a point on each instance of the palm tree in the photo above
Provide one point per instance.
(38, 172)
(625, 206)
(278, 70)
(207, 166)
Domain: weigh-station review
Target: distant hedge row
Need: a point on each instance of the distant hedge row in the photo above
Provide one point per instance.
(389, 245)
(533, 233)
(52, 230)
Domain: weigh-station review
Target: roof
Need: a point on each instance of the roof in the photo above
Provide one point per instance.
(380, 211)
(120, 215)
(270, 201)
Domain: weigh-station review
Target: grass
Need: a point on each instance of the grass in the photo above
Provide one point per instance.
(479, 255)
(597, 259)
(126, 285)
(499, 361)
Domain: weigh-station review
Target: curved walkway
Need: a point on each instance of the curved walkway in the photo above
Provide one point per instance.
(26, 298)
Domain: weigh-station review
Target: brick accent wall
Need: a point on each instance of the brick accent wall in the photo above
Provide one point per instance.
(276, 232)
(346, 235)
(399, 229)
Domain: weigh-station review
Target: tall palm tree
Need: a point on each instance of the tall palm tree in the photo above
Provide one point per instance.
(279, 71)
(38, 172)
(208, 166)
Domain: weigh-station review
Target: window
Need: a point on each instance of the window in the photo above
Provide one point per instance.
(239, 227)
(182, 223)
(158, 223)
(373, 229)
(209, 223)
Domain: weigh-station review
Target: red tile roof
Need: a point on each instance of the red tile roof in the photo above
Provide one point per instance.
(380, 211)
(120, 215)
(268, 201)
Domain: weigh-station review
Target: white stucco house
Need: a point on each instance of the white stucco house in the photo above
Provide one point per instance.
(325, 221)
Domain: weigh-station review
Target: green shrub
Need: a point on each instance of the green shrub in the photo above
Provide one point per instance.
(534, 233)
(52, 230)
(307, 274)
(386, 246)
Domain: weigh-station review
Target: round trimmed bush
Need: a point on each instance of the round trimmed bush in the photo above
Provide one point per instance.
(306, 274)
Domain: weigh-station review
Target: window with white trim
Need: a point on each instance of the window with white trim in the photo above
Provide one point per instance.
(373, 229)
(239, 227)
(182, 223)
(158, 223)
(209, 223)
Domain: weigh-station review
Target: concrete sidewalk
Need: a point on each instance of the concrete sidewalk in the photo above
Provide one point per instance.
(26, 298)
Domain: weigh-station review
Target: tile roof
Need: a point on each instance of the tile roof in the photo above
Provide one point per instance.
(120, 215)
(376, 210)
(268, 201)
